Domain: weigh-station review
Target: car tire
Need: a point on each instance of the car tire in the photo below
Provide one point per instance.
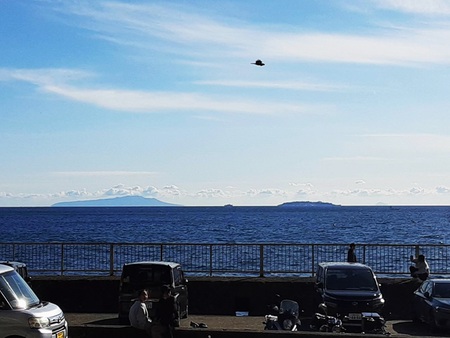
(124, 321)
(432, 323)
(415, 318)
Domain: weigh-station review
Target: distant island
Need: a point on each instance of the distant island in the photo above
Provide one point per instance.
(125, 201)
(308, 204)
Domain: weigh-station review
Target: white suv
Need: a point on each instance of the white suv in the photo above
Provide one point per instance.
(22, 314)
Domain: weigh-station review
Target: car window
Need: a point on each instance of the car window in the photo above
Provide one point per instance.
(350, 279)
(442, 290)
(320, 275)
(17, 291)
(141, 276)
(423, 287)
(178, 276)
(428, 287)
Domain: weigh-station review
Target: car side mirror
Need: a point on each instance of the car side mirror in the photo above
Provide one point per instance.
(427, 294)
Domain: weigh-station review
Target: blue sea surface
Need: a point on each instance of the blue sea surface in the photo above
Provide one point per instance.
(365, 225)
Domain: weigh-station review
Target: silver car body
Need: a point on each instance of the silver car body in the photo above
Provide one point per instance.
(22, 314)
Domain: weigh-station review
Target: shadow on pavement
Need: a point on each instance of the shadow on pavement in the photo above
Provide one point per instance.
(417, 329)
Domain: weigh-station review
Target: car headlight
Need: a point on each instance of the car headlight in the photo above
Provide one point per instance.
(38, 322)
(378, 302)
(288, 324)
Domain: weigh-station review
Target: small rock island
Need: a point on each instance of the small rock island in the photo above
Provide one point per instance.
(308, 204)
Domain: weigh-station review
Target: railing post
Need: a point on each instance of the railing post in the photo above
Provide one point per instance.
(161, 250)
(364, 255)
(210, 259)
(312, 259)
(417, 249)
(111, 259)
(261, 260)
(62, 259)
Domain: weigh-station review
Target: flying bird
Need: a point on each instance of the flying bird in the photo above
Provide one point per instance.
(258, 63)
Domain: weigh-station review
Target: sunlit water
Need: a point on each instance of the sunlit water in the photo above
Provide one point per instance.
(368, 225)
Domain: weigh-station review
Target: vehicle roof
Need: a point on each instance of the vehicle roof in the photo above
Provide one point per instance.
(344, 265)
(161, 263)
(439, 280)
(13, 263)
(5, 268)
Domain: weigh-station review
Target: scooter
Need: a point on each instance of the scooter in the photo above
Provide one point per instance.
(324, 323)
(283, 317)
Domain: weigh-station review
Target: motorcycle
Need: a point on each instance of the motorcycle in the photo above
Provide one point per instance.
(324, 323)
(283, 317)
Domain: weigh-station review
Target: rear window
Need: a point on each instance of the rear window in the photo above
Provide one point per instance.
(350, 279)
(135, 277)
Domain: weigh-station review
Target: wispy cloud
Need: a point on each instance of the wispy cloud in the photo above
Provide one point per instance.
(422, 7)
(50, 81)
(300, 86)
(104, 173)
(216, 195)
(203, 36)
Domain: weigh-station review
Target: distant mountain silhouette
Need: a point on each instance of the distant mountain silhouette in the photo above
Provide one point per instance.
(125, 201)
(307, 204)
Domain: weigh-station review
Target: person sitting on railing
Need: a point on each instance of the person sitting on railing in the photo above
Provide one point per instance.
(138, 314)
(421, 269)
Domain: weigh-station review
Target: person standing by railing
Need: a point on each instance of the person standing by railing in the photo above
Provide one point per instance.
(351, 256)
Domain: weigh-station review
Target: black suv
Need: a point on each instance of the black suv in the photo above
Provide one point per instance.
(349, 290)
(151, 276)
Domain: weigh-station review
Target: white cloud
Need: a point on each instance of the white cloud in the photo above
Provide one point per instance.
(147, 101)
(422, 7)
(202, 36)
(104, 173)
(216, 196)
(293, 85)
(442, 190)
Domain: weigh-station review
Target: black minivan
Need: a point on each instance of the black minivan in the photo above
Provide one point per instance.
(349, 290)
(151, 275)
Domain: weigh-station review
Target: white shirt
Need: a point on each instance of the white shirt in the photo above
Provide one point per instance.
(139, 315)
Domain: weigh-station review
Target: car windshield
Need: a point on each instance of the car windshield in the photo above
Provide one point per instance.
(16, 291)
(442, 290)
(135, 277)
(350, 279)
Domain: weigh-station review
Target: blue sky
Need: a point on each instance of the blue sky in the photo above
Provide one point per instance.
(160, 99)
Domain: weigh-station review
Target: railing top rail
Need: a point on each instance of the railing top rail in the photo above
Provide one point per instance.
(227, 244)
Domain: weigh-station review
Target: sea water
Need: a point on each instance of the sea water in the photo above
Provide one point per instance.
(364, 225)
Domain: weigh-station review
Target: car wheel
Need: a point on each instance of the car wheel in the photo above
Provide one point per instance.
(415, 318)
(432, 323)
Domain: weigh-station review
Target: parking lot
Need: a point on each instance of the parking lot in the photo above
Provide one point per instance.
(395, 328)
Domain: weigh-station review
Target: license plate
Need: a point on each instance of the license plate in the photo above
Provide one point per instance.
(354, 316)
(60, 334)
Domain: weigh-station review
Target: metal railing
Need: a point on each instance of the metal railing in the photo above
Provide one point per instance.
(213, 259)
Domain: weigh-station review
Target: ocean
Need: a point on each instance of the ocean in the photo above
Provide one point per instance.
(364, 225)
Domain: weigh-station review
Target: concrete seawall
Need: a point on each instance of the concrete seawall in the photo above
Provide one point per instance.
(213, 296)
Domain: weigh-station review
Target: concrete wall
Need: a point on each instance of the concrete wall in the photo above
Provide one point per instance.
(213, 296)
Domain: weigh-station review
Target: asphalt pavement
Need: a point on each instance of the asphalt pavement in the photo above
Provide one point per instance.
(394, 328)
